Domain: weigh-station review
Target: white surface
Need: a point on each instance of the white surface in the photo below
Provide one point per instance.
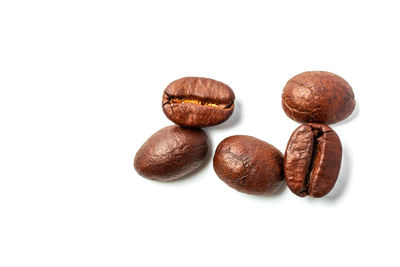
(81, 85)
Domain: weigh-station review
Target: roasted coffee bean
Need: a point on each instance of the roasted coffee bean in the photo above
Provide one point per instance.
(312, 160)
(171, 153)
(198, 102)
(318, 96)
(249, 165)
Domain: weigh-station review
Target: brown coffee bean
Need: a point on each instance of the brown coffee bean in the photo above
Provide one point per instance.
(312, 160)
(171, 153)
(318, 96)
(198, 102)
(249, 165)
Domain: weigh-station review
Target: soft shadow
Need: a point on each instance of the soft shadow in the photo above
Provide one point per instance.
(343, 179)
(233, 120)
(272, 196)
(278, 192)
(352, 117)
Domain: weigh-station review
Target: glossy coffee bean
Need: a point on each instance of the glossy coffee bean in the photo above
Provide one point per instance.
(198, 102)
(171, 153)
(312, 160)
(249, 165)
(318, 96)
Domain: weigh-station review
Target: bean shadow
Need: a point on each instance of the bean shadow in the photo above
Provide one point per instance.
(342, 182)
(343, 179)
(276, 194)
(233, 120)
(271, 197)
(352, 117)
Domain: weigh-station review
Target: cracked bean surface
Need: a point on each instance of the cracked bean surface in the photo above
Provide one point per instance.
(318, 96)
(171, 153)
(249, 165)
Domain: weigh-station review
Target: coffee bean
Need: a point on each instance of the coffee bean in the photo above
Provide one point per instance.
(171, 153)
(249, 165)
(198, 102)
(312, 160)
(318, 96)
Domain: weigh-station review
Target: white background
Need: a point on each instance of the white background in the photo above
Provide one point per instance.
(80, 91)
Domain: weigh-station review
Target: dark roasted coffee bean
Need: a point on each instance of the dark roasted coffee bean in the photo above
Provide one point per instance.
(312, 160)
(171, 153)
(198, 102)
(318, 96)
(249, 165)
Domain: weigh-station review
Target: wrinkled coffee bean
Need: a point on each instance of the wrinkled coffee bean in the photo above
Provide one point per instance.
(249, 165)
(312, 160)
(171, 153)
(318, 96)
(198, 102)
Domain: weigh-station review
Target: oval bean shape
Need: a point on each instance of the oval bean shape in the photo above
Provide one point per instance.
(318, 96)
(171, 153)
(249, 165)
(312, 160)
(198, 102)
